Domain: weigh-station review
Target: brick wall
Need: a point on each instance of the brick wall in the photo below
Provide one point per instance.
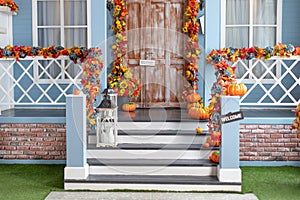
(268, 143)
(33, 141)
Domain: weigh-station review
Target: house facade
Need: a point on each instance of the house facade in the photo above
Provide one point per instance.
(39, 135)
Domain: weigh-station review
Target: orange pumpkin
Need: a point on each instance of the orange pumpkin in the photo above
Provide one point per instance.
(198, 113)
(236, 89)
(129, 107)
(215, 156)
(205, 145)
(197, 105)
(194, 97)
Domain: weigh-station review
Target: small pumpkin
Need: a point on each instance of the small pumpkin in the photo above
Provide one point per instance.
(194, 97)
(215, 156)
(194, 104)
(198, 113)
(130, 107)
(237, 89)
(199, 130)
(205, 145)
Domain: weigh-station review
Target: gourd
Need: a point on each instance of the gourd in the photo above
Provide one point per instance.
(198, 113)
(215, 156)
(194, 97)
(129, 107)
(236, 89)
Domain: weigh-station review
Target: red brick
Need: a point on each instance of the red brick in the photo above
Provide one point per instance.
(265, 126)
(60, 148)
(60, 139)
(264, 154)
(290, 135)
(23, 130)
(290, 145)
(296, 140)
(37, 130)
(258, 131)
(277, 144)
(251, 153)
(245, 149)
(257, 149)
(245, 140)
(283, 149)
(42, 153)
(242, 126)
(264, 144)
(49, 148)
(251, 126)
(23, 147)
(276, 154)
(44, 143)
(270, 149)
(10, 148)
(268, 158)
(23, 157)
(30, 143)
(291, 154)
(244, 158)
(251, 144)
(5, 125)
(271, 131)
(285, 131)
(54, 153)
(255, 158)
(36, 148)
(49, 139)
(271, 140)
(249, 135)
(276, 135)
(29, 152)
(10, 157)
(277, 126)
(263, 135)
(294, 158)
(287, 126)
(17, 152)
(284, 140)
(61, 130)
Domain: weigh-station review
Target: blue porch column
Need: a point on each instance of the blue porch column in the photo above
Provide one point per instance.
(99, 34)
(229, 168)
(212, 41)
(77, 167)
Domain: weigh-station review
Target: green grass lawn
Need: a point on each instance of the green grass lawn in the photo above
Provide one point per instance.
(36, 181)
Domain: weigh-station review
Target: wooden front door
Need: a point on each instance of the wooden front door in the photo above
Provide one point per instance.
(154, 33)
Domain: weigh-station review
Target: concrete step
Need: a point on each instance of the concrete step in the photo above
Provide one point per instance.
(153, 125)
(151, 182)
(152, 167)
(150, 151)
(156, 138)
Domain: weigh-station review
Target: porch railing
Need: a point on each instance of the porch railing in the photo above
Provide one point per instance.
(37, 81)
(273, 82)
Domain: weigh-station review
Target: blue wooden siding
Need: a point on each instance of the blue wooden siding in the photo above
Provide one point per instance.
(291, 22)
(22, 24)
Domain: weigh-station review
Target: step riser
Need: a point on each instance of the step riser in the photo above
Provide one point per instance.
(148, 154)
(161, 187)
(138, 139)
(153, 170)
(161, 125)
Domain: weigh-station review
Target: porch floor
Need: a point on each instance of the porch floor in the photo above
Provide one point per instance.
(145, 115)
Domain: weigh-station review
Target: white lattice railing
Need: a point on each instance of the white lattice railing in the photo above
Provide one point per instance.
(37, 81)
(275, 82)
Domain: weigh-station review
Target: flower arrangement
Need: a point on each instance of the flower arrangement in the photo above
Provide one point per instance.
(225, 73)
(90, 59)
(191, 28)
(92, 67)
(11, 4)
(120, 46)
(75, 53)
(127, 85)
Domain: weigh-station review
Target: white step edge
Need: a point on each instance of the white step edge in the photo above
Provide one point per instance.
(147, 154)
(161, 187)
(154, 170)
(156, 139)
(161, 125)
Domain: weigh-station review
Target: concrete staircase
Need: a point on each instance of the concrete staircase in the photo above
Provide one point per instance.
(153, 156)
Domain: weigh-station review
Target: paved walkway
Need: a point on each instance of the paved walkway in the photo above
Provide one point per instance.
(147, 196)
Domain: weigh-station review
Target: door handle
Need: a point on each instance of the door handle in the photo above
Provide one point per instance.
(147, 54)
